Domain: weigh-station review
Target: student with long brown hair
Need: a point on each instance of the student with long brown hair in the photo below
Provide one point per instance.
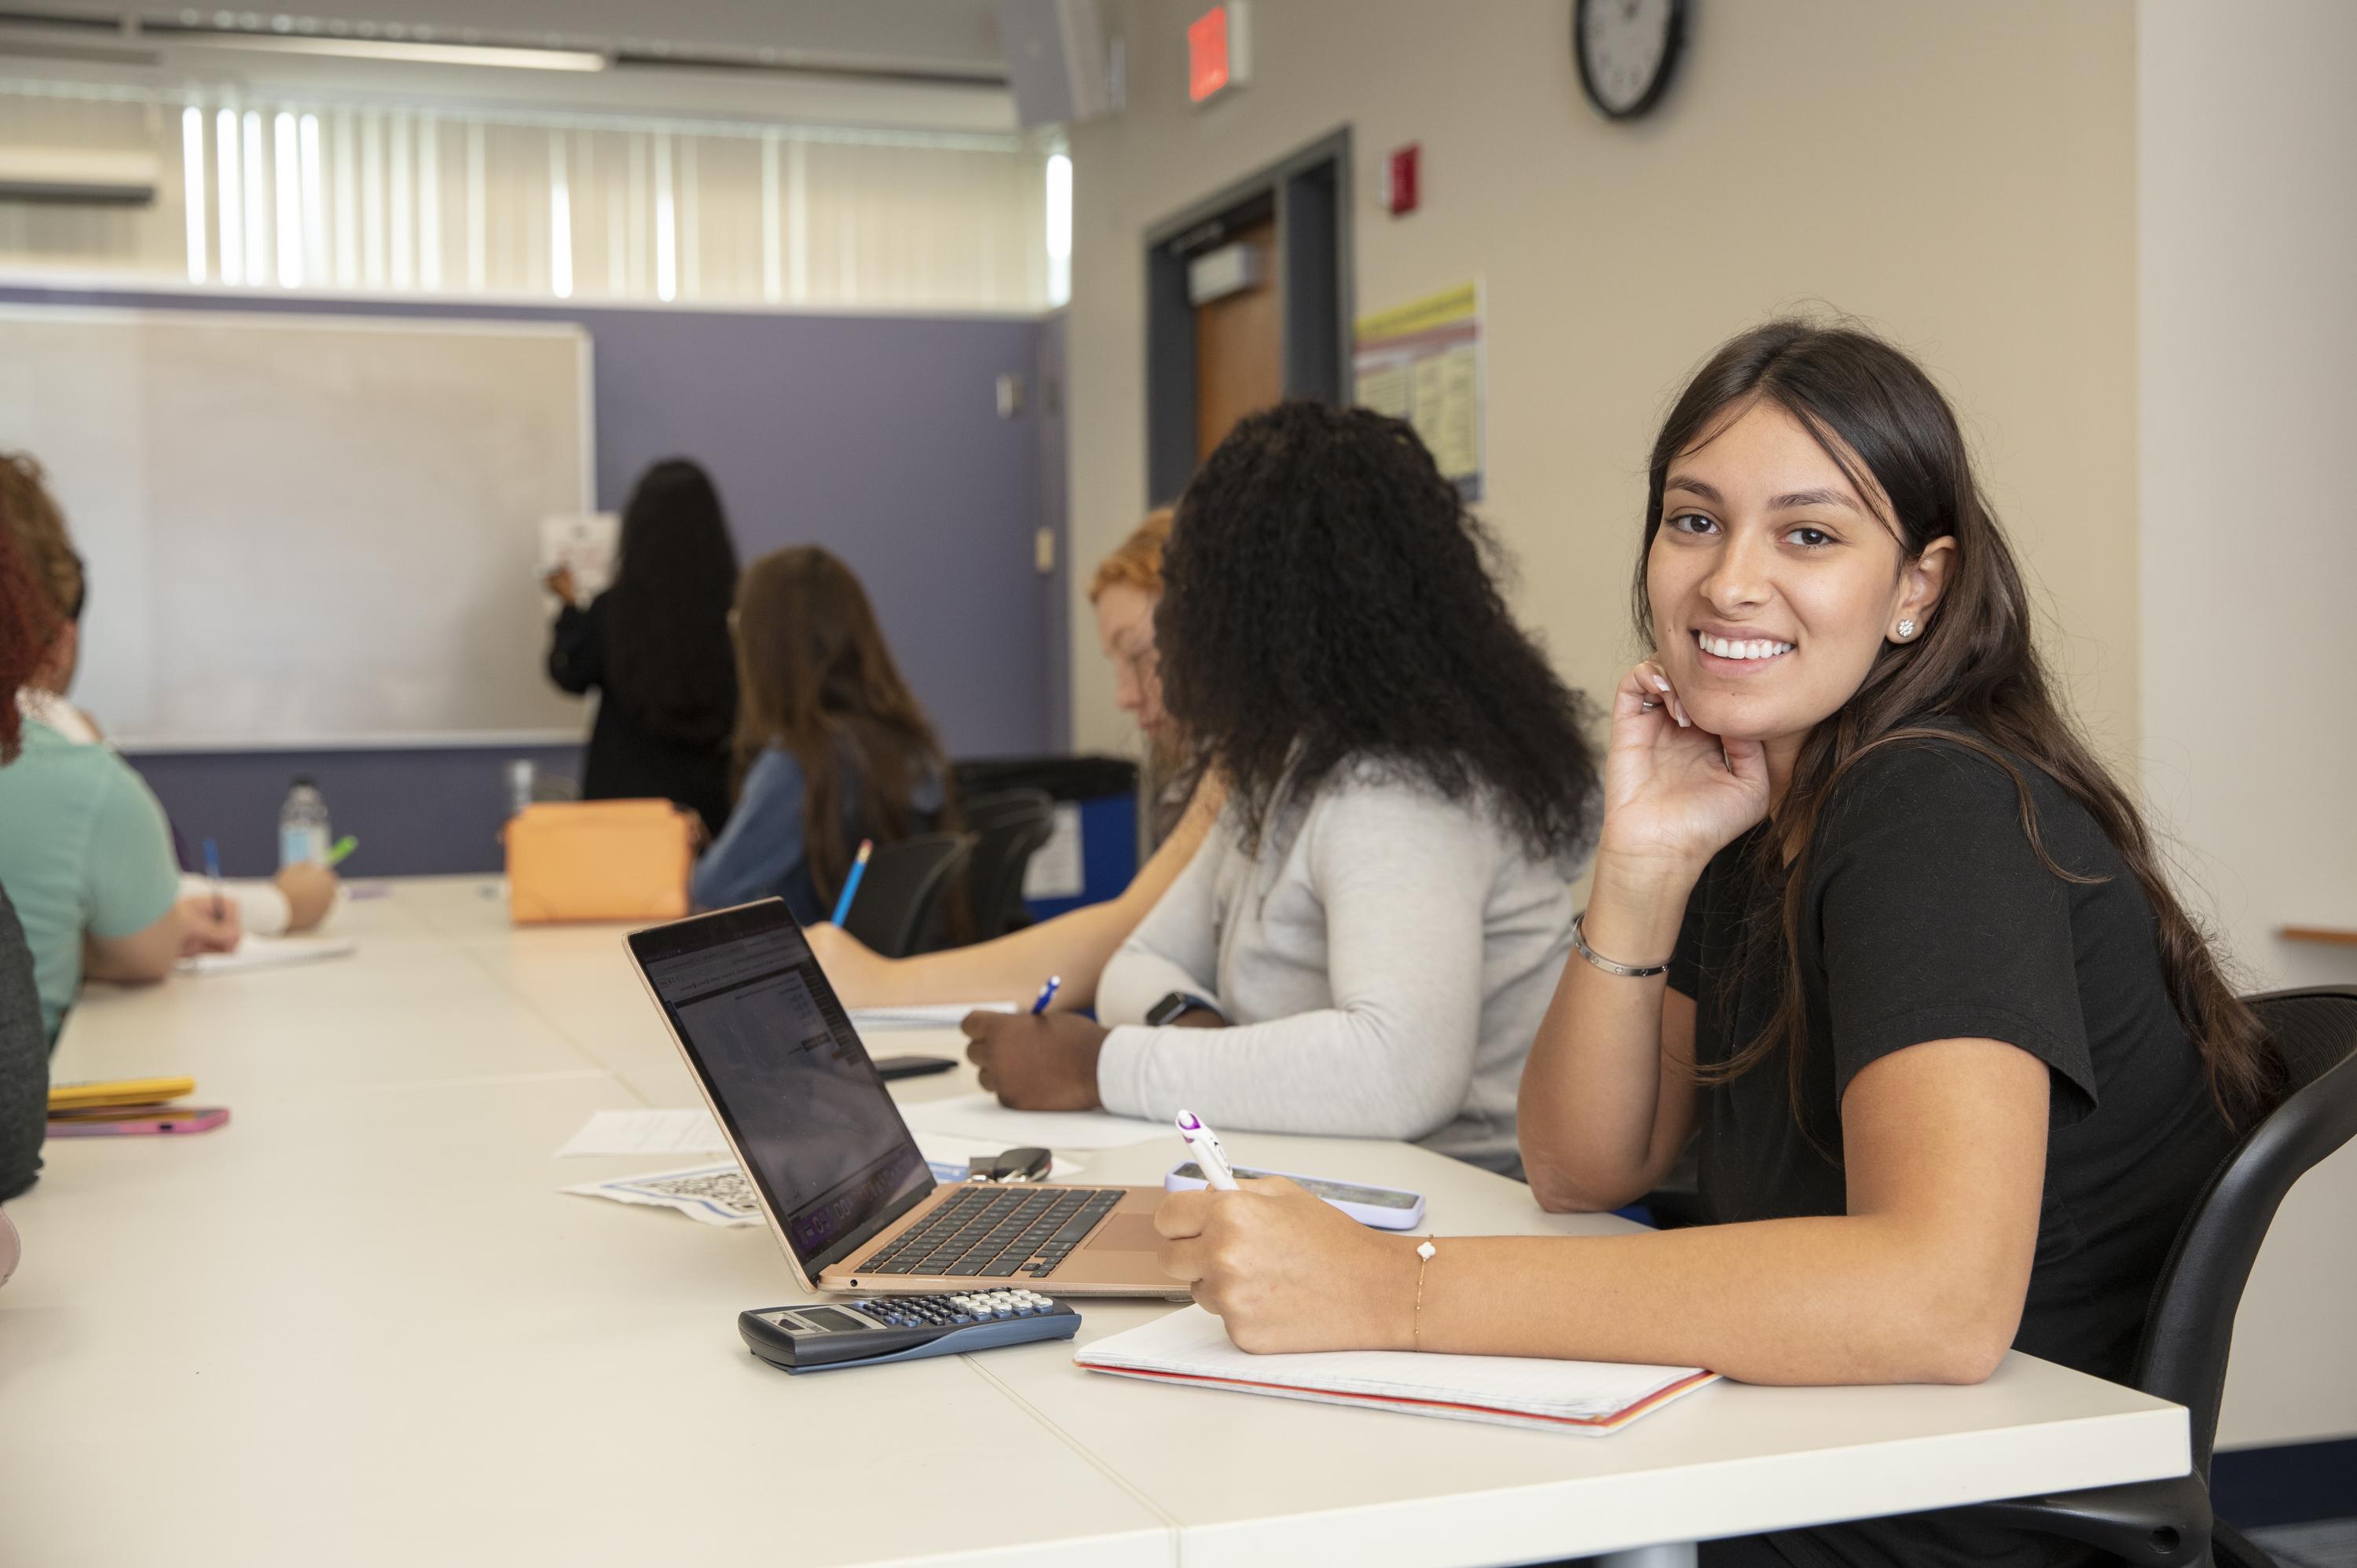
(830, 744)
(1870, 918)
(1076, 945)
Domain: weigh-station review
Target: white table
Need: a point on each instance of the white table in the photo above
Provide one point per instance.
(360, 1324)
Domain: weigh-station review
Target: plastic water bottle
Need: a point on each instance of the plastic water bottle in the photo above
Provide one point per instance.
(303, 825)
(521, 775)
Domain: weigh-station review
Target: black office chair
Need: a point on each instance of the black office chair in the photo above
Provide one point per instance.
(902, 890)
(1009, 827)
(2190, 1324)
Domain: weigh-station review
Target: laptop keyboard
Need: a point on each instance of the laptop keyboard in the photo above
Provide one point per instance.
(994, 1231)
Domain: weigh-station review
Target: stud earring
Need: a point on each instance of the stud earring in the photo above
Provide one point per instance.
(1906, 629)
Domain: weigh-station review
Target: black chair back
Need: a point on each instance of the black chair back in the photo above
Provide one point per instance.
(2189, 1326)
(903, 888)
(1009, 827)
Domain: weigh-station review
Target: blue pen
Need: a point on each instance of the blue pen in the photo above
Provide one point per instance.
(851, 882)
(212, 873)
(1047, 995)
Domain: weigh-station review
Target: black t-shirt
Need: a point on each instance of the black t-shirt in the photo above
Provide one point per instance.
(1927, 915)
(629, 758)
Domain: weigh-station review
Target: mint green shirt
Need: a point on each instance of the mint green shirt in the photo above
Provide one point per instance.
(83, 847)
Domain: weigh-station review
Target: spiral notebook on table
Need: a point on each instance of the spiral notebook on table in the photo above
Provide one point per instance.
(255, 951)
(1191, 1346)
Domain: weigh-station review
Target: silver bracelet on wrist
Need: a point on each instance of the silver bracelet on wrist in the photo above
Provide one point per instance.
(1579, 940)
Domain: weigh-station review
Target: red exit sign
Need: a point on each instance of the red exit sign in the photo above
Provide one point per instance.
(1218, 52)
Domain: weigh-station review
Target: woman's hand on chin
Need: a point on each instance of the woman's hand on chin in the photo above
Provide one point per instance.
(1288, 1271)
(1675, 794)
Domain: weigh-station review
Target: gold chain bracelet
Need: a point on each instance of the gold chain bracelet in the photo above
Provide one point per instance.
(1424, 1255)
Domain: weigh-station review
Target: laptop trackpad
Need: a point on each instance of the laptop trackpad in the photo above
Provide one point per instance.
(1125, 1234)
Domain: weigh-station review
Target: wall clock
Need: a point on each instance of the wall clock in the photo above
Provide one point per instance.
(1626, 50)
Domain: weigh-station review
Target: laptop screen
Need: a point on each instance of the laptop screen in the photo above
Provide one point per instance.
(821, 1136)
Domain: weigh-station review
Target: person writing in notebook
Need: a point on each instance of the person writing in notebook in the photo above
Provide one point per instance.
(1378, 916)
(85, 852)
(832, 747)
(1870, 918)
(1077, 944)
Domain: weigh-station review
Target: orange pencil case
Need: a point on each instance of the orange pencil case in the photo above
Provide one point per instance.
(599, 860)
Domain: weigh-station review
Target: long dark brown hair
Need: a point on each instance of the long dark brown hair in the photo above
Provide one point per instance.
(666, 617)
(1871, 407)
(815, 677)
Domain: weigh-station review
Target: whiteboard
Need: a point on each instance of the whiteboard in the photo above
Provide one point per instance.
(306, 529)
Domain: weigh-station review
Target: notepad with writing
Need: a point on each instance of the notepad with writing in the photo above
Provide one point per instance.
(1191, 1346)
(254, 951)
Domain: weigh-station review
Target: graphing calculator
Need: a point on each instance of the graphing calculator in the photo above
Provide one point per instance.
(824, 1335)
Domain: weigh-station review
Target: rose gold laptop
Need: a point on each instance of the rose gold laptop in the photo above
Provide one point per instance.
(844, 1189)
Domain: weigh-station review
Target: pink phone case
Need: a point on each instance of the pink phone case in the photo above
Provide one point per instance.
(193, 1119)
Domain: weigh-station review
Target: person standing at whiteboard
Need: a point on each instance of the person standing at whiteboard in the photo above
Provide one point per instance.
(655, 645)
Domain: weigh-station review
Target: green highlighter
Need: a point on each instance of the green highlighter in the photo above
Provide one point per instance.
(344, 846)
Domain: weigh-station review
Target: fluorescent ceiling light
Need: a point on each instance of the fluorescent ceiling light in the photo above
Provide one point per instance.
(420, 53)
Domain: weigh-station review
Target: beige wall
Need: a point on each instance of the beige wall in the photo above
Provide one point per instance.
(1960, 175)
(2248, 156)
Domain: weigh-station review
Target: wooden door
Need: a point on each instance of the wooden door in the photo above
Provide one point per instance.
(1239, 346)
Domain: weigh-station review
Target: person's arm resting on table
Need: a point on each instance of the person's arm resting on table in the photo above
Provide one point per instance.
(1946, 1090)
(1403, 882)
(139, 926)
(1921, 1282)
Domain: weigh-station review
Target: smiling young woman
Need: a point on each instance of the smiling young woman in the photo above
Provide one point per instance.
(1870, 920)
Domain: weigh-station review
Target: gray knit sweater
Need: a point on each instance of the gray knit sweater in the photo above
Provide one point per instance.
(1386, 955)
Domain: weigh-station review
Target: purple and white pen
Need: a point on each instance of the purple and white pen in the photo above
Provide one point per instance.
(1204, 1144)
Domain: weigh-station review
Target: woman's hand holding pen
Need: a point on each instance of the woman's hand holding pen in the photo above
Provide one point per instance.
(1287, 1271)
(1037, 1062)
(209, 923)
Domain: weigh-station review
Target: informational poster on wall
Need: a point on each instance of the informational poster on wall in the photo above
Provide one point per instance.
(1422, 362)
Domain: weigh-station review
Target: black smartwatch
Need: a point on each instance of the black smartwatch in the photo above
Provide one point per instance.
(1167, 1010)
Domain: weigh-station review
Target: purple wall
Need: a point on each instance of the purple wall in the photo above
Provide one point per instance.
(877, 436)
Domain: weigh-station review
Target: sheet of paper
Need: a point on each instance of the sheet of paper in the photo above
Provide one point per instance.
(929, 1016)
(716, 1194)
(646, 1132)
(723, 1195)
(981, 1117)
(254, 951)
(587, 544)
(1059, 869)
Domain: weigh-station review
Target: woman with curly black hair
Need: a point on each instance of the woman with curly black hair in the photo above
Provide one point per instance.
(1374, 924)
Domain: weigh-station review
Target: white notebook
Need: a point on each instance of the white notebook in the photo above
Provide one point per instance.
(983, 1118)
(1191, 1346)
(254, 951)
